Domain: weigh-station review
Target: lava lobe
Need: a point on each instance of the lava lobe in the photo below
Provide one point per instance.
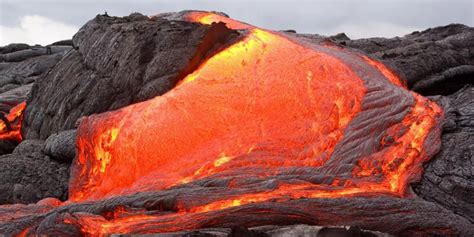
(271, 118)
(268, 107)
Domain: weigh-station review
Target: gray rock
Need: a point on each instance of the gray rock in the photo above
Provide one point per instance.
(449, 177)
(420, 56)
(13, 97)
(277, 231)
(6, 79)
(67, 42)
(31, 67)
(7, 146)
(339, 37)
(28, 175)
(61, 146)
(28, 147)
(21, 55)
(13, 48)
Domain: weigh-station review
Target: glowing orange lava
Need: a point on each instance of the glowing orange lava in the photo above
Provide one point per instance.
(264, 94)
(15, 117)
(236, 103)
(263, 119)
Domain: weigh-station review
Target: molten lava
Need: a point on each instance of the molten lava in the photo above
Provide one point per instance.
(251, 105)
(269, 118)
(12, 131)
(264, 105)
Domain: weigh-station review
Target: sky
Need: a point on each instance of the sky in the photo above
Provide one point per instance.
(46, 21)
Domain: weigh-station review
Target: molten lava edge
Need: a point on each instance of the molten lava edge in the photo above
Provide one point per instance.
(15, 117)
(263, 119)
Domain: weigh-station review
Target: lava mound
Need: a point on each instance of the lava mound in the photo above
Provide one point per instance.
(262, 128)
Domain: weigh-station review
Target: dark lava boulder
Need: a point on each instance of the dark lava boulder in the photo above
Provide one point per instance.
(117, 62)
(13, 48)
(61, 146)
(449, 177)
(28, 175)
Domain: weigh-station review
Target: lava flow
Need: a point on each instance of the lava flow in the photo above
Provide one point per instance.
(272, 117)
(11, 129)
(262, 107)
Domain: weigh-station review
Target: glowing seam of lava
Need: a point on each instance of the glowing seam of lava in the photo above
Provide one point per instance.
(15, 117)
(207, 18)
(385, 71)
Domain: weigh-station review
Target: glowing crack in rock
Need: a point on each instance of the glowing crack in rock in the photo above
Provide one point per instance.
(14, 117)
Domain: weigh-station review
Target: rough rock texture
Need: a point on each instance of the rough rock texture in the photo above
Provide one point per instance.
(429, 60)
(116, 62)
(13, 97)
(20, 66)
(17, 76)
(449, 177)
(396, 216)
(61, 146)
(28, 175)
(439, 61)
(13, 48)
(279, 231)
(31, 52)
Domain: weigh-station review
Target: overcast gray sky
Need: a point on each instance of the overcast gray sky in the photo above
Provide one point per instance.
(46, 21)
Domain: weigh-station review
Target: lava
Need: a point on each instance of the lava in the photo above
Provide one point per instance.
(235, 103)
(15, 118)
(269, 118)
(253, 106)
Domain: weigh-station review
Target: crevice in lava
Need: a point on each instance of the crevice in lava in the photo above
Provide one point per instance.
(217, 38)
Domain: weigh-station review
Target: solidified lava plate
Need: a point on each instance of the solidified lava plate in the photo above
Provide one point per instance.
(271, 117)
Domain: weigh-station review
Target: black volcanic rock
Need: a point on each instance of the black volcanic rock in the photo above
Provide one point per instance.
(24, 64)
(426, 59)
(13, 48)
(18, 56)
(16, 78)
(28, 175)
(61, 146)
(449, 178)
(13, 97)
(117, 62)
